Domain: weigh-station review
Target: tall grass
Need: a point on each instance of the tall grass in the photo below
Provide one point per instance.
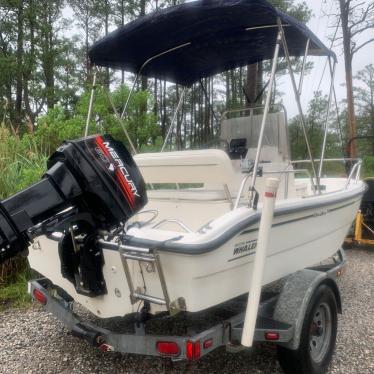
(22, 162)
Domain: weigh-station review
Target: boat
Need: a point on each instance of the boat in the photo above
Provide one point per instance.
(192, 242)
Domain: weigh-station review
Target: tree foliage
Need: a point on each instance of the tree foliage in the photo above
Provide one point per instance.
(46, 73)
(356, 19)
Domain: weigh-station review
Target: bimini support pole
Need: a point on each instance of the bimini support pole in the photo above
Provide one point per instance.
(128, 97)
(302, 75)
(271, 187)
(174, 119)
(144, 65)
(264, 117)
(136, 80)
(121, 122)
(297, 98)
(90, 105)
(332, 72)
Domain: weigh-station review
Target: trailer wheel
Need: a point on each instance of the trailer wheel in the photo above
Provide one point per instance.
(318, 336)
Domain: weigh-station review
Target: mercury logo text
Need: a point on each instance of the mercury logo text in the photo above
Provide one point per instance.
(122, 168)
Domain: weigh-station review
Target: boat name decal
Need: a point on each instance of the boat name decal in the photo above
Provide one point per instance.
(319, 214)
(245, 247)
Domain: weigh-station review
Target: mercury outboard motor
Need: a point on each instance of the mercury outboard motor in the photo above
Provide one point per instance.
(92, 185)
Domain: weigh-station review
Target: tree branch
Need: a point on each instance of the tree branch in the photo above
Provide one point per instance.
(362, 29)
(356, 49)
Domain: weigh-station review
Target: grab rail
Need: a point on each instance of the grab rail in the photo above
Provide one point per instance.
(356, 171)
(287, 172)
(181, 224)
(149, 211)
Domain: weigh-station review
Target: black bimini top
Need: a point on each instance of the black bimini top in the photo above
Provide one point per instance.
(202, 38)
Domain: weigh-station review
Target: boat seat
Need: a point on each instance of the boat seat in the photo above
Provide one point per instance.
(197, 194)
(181, 183)
(188, 175)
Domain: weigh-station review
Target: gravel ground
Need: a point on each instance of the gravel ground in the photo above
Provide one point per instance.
(32, 341)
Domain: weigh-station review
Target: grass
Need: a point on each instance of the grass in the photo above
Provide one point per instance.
(14, 295)
(22, 162)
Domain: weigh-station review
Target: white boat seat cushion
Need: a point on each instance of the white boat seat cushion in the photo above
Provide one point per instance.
(208, 166)
(187, 194)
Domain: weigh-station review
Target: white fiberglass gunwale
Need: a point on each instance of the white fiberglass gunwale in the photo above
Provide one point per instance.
(239, 221)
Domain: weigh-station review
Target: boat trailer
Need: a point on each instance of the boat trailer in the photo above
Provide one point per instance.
(280, 318)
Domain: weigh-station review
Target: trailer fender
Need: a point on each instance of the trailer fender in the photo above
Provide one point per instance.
(295, 296)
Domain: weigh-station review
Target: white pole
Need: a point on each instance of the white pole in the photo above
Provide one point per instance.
(332, 72)
(90, 105)
(271, 187)
(264, 117)
(174, 119)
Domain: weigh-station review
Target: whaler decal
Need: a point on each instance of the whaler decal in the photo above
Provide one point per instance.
(245, 248)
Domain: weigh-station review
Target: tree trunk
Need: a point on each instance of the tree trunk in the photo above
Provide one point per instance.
(49, 61)
(122, 23)
(259, 85)
(19, 81)
(251, 85)
(106, 27)
(347, 45)
(164, 114)
(144, 80)
(87, 47)
(178, 127)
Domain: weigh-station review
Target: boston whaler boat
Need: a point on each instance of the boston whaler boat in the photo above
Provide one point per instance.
(109, 240)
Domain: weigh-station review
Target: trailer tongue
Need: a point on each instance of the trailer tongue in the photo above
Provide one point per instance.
(92, 184)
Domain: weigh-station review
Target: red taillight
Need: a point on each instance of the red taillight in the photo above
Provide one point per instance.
(105, 347)
(167, 348)
(271, 336)
(208, 343)
(39, 296)
(193, 351)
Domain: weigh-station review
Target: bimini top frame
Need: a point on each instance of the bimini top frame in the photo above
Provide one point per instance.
(188, 42)
(203, 38)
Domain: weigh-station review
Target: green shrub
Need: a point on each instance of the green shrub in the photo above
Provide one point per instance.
(22, 163)
(57, 125)
(368, 167)
(15, 293)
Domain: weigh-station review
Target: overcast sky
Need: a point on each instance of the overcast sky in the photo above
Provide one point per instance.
(323, 27)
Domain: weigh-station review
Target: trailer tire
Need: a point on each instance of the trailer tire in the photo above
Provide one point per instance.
(318, 336)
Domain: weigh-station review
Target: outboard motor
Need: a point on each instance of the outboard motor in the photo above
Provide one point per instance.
(92, 186)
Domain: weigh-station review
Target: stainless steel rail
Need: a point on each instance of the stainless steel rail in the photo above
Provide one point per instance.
(355, 171)
(287, 172)
(181, 224)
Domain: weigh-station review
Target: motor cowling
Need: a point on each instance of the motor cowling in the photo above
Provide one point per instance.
(92, 180)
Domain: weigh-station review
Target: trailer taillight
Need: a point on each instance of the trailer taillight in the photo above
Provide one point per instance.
(271, 335)
(39, 296)
(167, 348)
(193, 350)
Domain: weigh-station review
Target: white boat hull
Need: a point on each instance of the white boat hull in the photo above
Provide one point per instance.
(298, 239)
